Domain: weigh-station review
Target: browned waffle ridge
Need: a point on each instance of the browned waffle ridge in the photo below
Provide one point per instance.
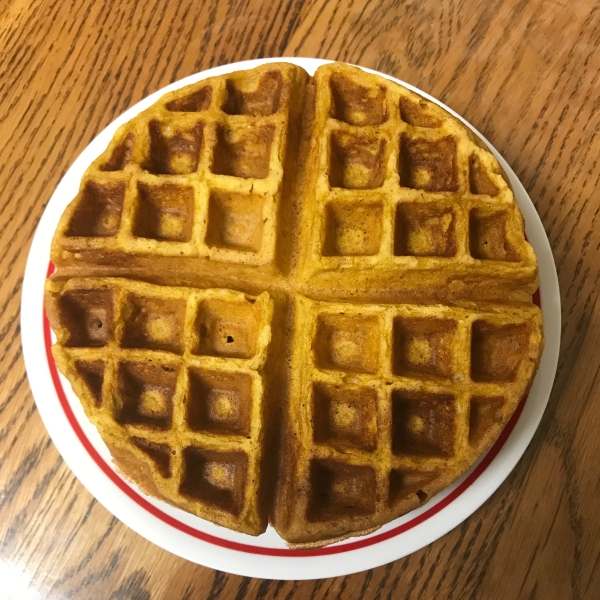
(303, 300)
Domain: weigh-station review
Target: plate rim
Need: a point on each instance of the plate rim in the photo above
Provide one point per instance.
(525, 424)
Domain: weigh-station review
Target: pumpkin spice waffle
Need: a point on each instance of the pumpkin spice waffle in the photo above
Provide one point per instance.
(391, 403)
(296, 300)
(404, 197)
(171, 377)
(198, 178)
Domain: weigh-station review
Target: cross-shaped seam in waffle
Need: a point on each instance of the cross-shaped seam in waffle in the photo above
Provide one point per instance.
(394, 194)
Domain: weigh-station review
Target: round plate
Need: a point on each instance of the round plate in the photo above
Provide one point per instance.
(213, 546)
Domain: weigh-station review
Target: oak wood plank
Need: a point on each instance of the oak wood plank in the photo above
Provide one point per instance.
(525, 72)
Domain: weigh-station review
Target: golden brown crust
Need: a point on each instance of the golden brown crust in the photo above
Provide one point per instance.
(136, 470)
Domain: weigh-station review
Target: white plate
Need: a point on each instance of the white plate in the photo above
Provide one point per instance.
(210, 545)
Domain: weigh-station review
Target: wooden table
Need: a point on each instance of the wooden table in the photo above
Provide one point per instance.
(527, 74)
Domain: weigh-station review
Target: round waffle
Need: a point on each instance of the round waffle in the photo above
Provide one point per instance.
(297, 300)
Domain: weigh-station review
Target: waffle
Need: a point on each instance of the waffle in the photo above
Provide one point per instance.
(303, 301)
(171, 377)
(403, 197)
(391, 403)
(195, 179)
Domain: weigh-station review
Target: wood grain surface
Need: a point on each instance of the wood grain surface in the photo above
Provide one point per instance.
(525, 72)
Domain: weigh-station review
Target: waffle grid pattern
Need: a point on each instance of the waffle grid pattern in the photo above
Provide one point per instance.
(200, 175)
(396, 401)
(400, 185)
(177, 371)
